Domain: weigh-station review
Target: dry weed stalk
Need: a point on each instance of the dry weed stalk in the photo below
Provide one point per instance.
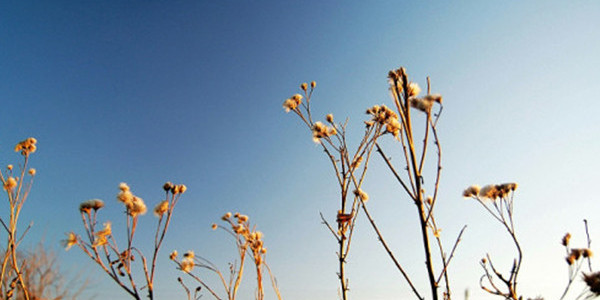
(497, 199)
(399, 124)
(101, 246)
(17, 189)
(350, 168)
(249, 242)
(575, 259)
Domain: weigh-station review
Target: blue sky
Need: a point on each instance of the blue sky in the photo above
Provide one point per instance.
(191, 92)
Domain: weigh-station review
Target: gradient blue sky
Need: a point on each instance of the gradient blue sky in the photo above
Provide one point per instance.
(191, 91)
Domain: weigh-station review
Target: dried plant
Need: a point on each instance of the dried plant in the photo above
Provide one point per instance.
(397, 123)
(497, 199)
(101, 245)
(575, 259)
(249, 242)
(17, 189)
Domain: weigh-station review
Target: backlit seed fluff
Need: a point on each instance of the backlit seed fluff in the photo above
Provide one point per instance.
(413, 89)
(420, 104)
(289, 104)
(187, 265)
(329, 118)
(31, 172)
(433, 98)
(304, 86)
(125, 196)
(161, 208)
(123, 186)
(471, 191)
(137, 207)
(10, 183)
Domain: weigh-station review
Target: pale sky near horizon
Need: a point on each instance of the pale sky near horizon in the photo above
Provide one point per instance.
(145, 92)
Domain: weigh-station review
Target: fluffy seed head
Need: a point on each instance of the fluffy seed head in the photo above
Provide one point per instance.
(10, 184)
(471, 191)
(161, 208)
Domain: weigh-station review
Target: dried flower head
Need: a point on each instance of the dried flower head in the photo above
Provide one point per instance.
(106, 231)
(124, 187)
(26, 147)
(226, 216)
(189, 254)
(489, 191)
(413, 89)
(420, 104)
(313, 84)
(69, 241)
(10, 184)
(136, 207)
(566, 239)
(100, 241)
(187, 265)
(329, 118)
(320, 130)
(214, 226)
(88, 205)
(182, 188)
(125, 196)
(9, 167)
(31, 172)
(471, 191)
(304, 86)
(173, 255)
(161, 208)
(242, 218)
(167, 186)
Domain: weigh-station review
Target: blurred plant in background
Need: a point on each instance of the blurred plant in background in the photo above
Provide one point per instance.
(44, 278)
